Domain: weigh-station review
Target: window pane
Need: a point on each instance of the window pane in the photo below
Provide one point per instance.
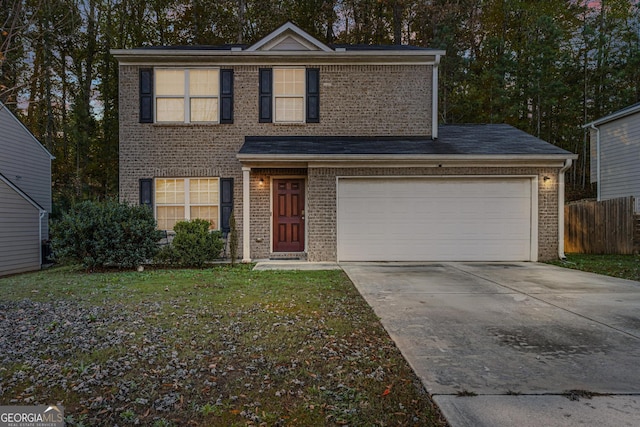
(203, 82)
(169, 191)
(288, 81)
(209, 213)
(289, 109)
(170, 109)
(204, 109)
(167, 216)
(204, 191)
(170, 82)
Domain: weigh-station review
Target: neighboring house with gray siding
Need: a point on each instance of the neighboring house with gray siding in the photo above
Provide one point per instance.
(330, 153)
(615, 154)
(25, 196)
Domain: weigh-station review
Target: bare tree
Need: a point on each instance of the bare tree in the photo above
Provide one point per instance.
(14, 23)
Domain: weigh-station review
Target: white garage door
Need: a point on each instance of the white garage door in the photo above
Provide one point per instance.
(436, 219)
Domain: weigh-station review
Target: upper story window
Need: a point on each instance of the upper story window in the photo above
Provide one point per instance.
(288, 95)
(188, 96)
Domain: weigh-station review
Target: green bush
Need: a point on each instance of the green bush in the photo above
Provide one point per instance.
(192, 245)
(105, 234)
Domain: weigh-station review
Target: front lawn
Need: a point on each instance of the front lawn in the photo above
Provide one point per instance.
(623, 266)
(223, 346)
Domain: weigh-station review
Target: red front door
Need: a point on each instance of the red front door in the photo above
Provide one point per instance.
(288, 215)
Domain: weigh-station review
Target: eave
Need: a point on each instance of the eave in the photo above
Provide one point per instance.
(633, 109)
(402, 160)
(227, 57)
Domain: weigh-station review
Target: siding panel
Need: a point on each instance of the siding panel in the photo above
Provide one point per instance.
(620, 158)
(19, 239)
(25, 162)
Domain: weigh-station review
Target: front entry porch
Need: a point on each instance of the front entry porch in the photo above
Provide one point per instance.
(274, 213)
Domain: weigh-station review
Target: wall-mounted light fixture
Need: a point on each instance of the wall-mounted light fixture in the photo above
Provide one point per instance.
(261, 181)
(546, 178)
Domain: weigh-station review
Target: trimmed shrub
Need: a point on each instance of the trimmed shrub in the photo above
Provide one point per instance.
(105, 234)
(193, 245)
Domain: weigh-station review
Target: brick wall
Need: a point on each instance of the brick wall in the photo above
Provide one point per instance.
(321, 217)
(359, 100)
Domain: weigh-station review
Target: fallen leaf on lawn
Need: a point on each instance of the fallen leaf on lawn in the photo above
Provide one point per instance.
(386, 391)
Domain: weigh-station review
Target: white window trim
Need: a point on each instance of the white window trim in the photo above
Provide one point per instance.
(186, 98)
(304, 96)
(187, 202)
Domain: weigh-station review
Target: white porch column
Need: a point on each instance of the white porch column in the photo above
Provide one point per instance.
(246, 214)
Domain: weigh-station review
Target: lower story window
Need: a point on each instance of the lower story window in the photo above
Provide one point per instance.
(179, 199)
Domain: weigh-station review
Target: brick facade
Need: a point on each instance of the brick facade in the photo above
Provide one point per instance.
(389, 100)
(321, 220)
(355, 100)
(322, 226)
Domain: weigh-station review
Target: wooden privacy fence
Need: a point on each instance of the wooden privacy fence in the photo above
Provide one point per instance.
(607, 227)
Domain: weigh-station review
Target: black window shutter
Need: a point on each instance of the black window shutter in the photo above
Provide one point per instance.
(146, 95)
(226, 203)
(226, 96)
(146, 192)
(313, 95)
(266, 91)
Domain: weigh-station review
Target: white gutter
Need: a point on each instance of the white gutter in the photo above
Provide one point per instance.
(434, 102)
(567, 165)
(424, 55)
(615, 116)
(597, 157)
(441, 158)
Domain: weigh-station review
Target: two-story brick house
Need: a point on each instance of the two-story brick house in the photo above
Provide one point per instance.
(330, 153)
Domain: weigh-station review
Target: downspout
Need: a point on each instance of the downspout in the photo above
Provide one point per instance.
(598, 157)
(567, 165)
(434, 105)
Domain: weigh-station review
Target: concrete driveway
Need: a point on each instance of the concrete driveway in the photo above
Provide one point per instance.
(533, 341)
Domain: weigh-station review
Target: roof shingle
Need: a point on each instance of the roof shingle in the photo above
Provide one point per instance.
(488, 139)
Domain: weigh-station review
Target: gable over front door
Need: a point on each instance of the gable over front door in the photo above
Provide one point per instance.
(288, 215)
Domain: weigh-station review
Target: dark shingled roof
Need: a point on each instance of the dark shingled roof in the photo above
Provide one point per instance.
(348, 47)
(193, 47)
(386, 47)
(493, 139)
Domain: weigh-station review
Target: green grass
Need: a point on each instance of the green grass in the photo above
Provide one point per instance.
(225, 346)
(623, 266)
